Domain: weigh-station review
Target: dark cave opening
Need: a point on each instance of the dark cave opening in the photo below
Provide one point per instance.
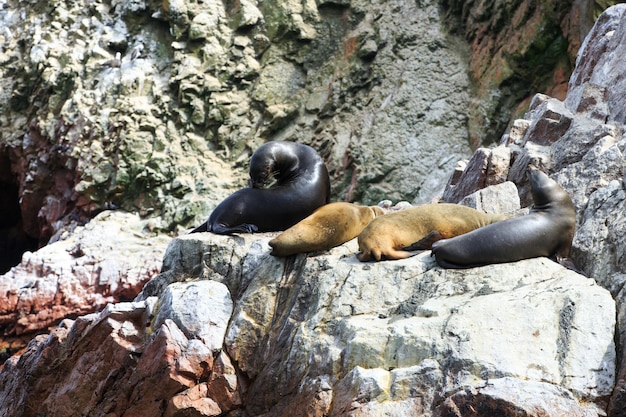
(13, 240)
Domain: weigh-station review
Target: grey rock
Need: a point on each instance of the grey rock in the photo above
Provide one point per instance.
(421, 321)
(510, 396)
(501, 198)
(603, 48)
(581, 143)
(200, 309)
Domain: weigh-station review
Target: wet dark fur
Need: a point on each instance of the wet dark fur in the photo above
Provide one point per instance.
(301, 185)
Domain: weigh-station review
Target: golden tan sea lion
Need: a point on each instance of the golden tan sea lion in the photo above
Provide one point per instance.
(329, 226)
(391, 236)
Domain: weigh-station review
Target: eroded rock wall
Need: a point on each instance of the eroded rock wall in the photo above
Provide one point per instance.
(518, 48)
(136, 105)
(154, 107)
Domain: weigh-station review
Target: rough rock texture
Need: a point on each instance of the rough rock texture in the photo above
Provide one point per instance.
(581, 141)
(518, 48)
(134, 105)
(154, 106)
(328, 335)
(108, 260)
(87, 117)
(106, 354)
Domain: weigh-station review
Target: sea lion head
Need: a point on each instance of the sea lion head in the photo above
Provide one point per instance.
(545, 190)
(261, 171)
(275, 163)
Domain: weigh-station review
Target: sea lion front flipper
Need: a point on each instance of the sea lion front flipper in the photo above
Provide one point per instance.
(201, 228)
(424, 243)
(570, 264)
(242, 228)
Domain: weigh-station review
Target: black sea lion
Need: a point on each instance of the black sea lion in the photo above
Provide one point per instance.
(392, 235)
(329, 226)
(547, 230)
(301, 185)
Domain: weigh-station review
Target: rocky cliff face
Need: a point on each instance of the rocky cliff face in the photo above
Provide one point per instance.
(154, 107)
(517, 48)
(328, 335)
(106, 261)
(226, 329)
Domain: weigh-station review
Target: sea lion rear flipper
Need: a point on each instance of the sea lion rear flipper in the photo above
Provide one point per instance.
(450, 265)
(424, 243)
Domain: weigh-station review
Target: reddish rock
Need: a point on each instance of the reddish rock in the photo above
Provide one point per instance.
(518, 48)
(486, 167)
(223, 386)
(106, 261)
(113, 363)
(219, 395)
(158, 375)
(46, 176)
(550, 120)
(193, 402)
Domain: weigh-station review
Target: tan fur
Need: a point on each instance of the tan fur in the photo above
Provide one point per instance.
(328, 226)
(385, 236)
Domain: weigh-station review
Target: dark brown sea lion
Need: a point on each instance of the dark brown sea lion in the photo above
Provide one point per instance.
(392, 236)
(301, 185)
(329, 226)
(548, 230)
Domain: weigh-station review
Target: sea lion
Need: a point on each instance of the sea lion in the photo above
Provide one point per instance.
(301, 184)
(392, 236)
(547, 230)
(328, 226)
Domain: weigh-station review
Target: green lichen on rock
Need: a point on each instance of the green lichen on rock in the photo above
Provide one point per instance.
(154, 106)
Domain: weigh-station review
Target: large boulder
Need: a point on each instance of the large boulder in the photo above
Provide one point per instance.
(328, 335)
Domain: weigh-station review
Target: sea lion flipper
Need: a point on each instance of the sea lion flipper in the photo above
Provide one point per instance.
(570, 264)
(201, 228)
(425, 243)
(242, 228)
(250, 228)
(450, 265)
